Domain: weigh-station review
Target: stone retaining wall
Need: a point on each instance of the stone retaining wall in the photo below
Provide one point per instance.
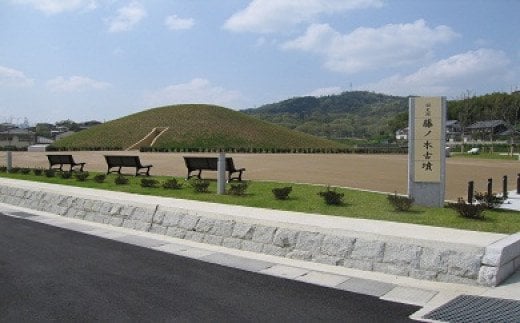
(422, 259)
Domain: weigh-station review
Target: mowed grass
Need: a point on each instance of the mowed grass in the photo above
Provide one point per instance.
(193, 126)
(305, 198)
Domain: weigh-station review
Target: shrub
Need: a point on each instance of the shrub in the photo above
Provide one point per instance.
(81, 176)
(15, 170)
(149, 182)
(238, 189)
(282, 193)
(66, 175)
(400, 203)
(25, 171)
(38, 171)
(50, 172)
(491, 202)
(200, 185)
(466, 210)
(121, 180)
(332, 197)
(3, 169)
(172, 184)
(100, 178)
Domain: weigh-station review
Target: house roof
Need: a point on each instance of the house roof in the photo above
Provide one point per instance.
(486, 124)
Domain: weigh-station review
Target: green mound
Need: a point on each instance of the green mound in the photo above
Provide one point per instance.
(192, 126)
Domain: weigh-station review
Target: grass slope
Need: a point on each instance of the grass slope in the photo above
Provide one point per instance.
(199, 126)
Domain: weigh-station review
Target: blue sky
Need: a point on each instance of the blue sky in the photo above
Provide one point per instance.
(104, 59)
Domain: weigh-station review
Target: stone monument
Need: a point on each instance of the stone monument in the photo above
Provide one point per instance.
(426, 150)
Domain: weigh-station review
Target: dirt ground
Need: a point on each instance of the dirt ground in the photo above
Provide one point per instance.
(387, 173)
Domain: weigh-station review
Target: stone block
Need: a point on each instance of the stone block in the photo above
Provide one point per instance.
(116, 210)
(328, 260)
(392, 268)
(158, 217)
(223, 228)
(232, 243)
(158, 229)
(106, 208)
(204, 225)
(502, 251)
(263, 234)
(248, 245)
(300, 255)
(285, 238)
(188, 222)
(170, 219)
(214, 240)
(337, 246)
(127, 210)
(142, 226)
(372, 250)
(243, 231)
(274, 250)
(464, 265)
(402, 254)
(176, 232)
(194, 236)
(309, 241)
(423, 274)
(117, 222)
(359, 264)
(130, 224)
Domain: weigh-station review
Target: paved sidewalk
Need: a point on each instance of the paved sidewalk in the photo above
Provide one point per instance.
(512, 202)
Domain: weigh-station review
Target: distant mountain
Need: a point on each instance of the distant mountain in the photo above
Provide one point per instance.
(357, 114)
(185, 126)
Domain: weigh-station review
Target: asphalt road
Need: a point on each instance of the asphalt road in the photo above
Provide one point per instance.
(53, 274)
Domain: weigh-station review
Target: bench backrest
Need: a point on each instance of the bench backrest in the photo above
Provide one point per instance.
(123, 161)
(60, 159)
(230, 166)
(197, 163)
(209, 163)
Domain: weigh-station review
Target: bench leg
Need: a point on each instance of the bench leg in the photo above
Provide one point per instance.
(230, 176)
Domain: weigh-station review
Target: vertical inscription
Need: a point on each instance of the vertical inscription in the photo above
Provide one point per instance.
(428, 145)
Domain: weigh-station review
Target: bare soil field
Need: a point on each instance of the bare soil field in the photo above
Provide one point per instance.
(386, 173)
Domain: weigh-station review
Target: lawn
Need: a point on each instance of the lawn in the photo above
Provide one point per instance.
(304, 198)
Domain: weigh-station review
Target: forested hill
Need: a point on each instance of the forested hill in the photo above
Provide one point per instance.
(356, 114)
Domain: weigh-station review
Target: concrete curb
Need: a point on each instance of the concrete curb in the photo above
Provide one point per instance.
(476, 258)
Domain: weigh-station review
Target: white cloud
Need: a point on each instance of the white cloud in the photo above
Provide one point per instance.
(326, 91)
(266, 16)
(175, 23)
(196, 91)
(372, 48)
(477, 69)
(75, 84)
(57, 6)
(127, 17)
(12, 77)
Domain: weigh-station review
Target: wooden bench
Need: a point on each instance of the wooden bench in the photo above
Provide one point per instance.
(210, 163)
(127, 161)
(61, 160)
